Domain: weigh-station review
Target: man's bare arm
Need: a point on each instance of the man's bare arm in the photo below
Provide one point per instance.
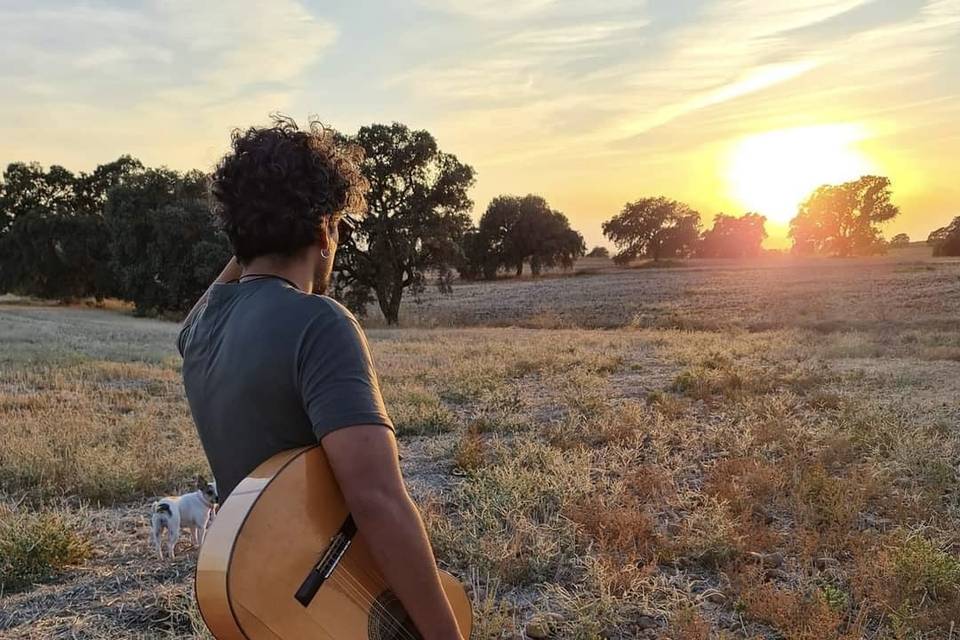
(365, 463)
(230, 272)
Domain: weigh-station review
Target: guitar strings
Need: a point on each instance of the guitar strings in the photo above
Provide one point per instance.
(366, 598)
(372, 578)
(389, 624)
(349, 571)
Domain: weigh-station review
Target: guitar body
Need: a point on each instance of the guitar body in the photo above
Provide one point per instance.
(282, 562)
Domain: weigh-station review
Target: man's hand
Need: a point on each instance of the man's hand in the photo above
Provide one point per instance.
(365, 462)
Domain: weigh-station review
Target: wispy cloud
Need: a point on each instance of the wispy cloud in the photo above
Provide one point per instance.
(490, 9)
(520, 64)
(175, 65)
(728, 52)
(571, 38)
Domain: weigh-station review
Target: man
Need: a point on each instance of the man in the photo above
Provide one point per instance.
(269, 363)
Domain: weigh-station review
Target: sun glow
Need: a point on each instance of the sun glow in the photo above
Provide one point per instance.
(771, 173)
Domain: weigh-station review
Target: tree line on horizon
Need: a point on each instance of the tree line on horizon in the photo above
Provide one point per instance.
(146, 235)
(839, 220)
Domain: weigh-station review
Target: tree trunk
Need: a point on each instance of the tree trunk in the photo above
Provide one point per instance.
(535, 265)
(520, 268)
(388, 299)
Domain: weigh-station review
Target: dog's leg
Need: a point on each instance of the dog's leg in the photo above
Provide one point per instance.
(156, 529)
(202, 533)
(172, 540)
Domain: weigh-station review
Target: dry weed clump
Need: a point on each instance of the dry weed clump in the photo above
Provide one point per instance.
(688, 624)
(753, 492)
(609, 600)
(508, 518)
(493, 617)
(911, 579)
(35, 545)
(797, 614)
(623, 423)
(621, 532)
(710, 535)
(471, 451)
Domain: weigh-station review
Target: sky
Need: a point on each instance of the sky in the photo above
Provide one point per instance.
(727, 105)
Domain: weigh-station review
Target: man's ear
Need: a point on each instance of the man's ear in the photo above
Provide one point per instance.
(323, 233)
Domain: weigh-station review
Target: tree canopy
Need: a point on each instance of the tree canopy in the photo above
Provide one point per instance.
(843, 219)
(653, 228)
(515, 230)
(900, 240)
(733, 237)
(946, 240)
(52, 233)
(418, 215)
(163, 246)
(599, 252)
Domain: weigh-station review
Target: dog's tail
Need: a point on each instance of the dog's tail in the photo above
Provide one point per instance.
(162, 508)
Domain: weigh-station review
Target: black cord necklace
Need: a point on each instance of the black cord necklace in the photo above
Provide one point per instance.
(260, 276)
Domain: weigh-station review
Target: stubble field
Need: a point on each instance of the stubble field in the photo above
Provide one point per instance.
(715, 451)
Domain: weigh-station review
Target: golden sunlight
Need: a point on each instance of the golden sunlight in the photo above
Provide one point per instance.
(771, 173)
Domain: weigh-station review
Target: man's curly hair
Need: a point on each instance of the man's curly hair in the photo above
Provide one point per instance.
(273, 190)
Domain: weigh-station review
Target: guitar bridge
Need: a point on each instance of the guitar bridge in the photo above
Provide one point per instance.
(328, 562)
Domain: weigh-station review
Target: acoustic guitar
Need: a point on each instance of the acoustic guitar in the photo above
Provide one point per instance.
(283, 560)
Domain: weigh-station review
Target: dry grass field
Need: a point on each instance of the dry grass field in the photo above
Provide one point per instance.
(820, 294)
(712, 451)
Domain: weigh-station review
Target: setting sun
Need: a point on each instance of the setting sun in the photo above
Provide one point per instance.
(771, 173)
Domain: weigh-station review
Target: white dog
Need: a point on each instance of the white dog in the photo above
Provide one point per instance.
(193, 511)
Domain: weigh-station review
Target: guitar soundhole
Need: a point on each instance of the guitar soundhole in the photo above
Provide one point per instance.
(389, 620)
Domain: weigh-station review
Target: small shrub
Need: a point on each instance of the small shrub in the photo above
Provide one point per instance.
(605, 602)
(828, 502)
(688, 624)
(668, 405)
(720, 377)
(912, 579)
(492, 615)
(650, 484)
(710, 536)
(584, 394)
(922, 570)
(748, 486)
(835, 597)
(624, 533)
(797, 615)
(471, 452)
(35, 546)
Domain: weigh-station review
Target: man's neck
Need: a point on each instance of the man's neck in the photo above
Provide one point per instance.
(299, 272)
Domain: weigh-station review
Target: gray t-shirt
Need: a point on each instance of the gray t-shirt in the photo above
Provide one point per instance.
(267, 367)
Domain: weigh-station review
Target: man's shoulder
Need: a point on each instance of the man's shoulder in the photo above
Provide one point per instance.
(322, 314)
(323, 307)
